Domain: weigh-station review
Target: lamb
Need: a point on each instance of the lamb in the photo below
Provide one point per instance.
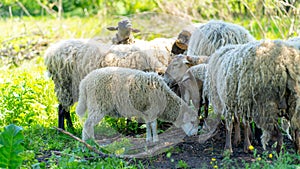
(131, 93)
(255, 81)
(209, 37)
(69, 61)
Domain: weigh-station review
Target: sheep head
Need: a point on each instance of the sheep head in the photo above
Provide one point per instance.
(176, 69)
(181, 43)
(187, 120)
(124, 34)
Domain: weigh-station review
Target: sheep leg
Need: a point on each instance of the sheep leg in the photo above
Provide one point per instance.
(148, 132)
(154, 130)
(69, 119)
(228, 136)
(279, 140)
(200, 106)
(61, 117)
(297, 141)
(206, 104)
(247, 142)
(237, 131)
(88, 129)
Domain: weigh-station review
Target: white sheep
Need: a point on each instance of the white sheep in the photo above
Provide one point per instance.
(207, 38)
(131, 93)
(255, 81)
(69, 61)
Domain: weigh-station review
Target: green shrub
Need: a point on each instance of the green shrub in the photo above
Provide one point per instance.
(27, 96)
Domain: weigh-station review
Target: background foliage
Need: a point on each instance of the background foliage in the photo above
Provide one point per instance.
(28, 27)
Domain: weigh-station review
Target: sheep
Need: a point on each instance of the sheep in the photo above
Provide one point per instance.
(124, 34)
(207, 38)
(69, 61)
(255, 81)
(131, 93)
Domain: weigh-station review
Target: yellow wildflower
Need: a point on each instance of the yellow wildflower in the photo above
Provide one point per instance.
(213, 159)
(258, 158)
(271, 155)
(251, 148)
(215, 166)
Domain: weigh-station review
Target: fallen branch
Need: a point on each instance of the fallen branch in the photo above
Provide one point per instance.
(83, 142)
(169, 138)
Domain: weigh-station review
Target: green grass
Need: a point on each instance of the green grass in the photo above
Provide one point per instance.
(27, 96)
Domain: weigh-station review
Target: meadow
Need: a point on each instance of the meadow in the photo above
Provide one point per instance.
(28, 104)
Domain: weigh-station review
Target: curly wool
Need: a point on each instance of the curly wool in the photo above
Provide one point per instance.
(209, 37)
(252, 80)
(199, 71)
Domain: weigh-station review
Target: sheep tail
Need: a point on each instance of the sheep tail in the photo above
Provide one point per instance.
(82, 104)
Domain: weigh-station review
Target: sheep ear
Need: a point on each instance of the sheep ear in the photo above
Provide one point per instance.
(135, 30)
(111, 28)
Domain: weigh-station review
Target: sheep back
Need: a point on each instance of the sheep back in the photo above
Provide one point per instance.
(68, 62)
(207, 38)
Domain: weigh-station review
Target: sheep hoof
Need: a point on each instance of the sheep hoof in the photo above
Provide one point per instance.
(155, 139)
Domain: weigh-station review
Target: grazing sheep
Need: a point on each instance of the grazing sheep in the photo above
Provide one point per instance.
(69, 61)
(209, 37)
(124, 34)
(255, 81)
(131, 93)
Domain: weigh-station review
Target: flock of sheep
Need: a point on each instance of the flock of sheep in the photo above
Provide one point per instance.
(218, 63)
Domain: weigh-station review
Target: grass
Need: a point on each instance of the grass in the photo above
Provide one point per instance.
(28, 98)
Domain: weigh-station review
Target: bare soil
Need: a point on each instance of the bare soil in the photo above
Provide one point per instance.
(197, 155)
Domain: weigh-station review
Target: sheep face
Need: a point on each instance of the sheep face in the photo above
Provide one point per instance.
(188, 120)
(176, 69)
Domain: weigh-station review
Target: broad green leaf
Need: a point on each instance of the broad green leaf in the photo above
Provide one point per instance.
(11, 140)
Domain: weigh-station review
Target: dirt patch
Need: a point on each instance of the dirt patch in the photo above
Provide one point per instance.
(196, 155)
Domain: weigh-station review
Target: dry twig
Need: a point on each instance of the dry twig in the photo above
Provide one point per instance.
(83, 142)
